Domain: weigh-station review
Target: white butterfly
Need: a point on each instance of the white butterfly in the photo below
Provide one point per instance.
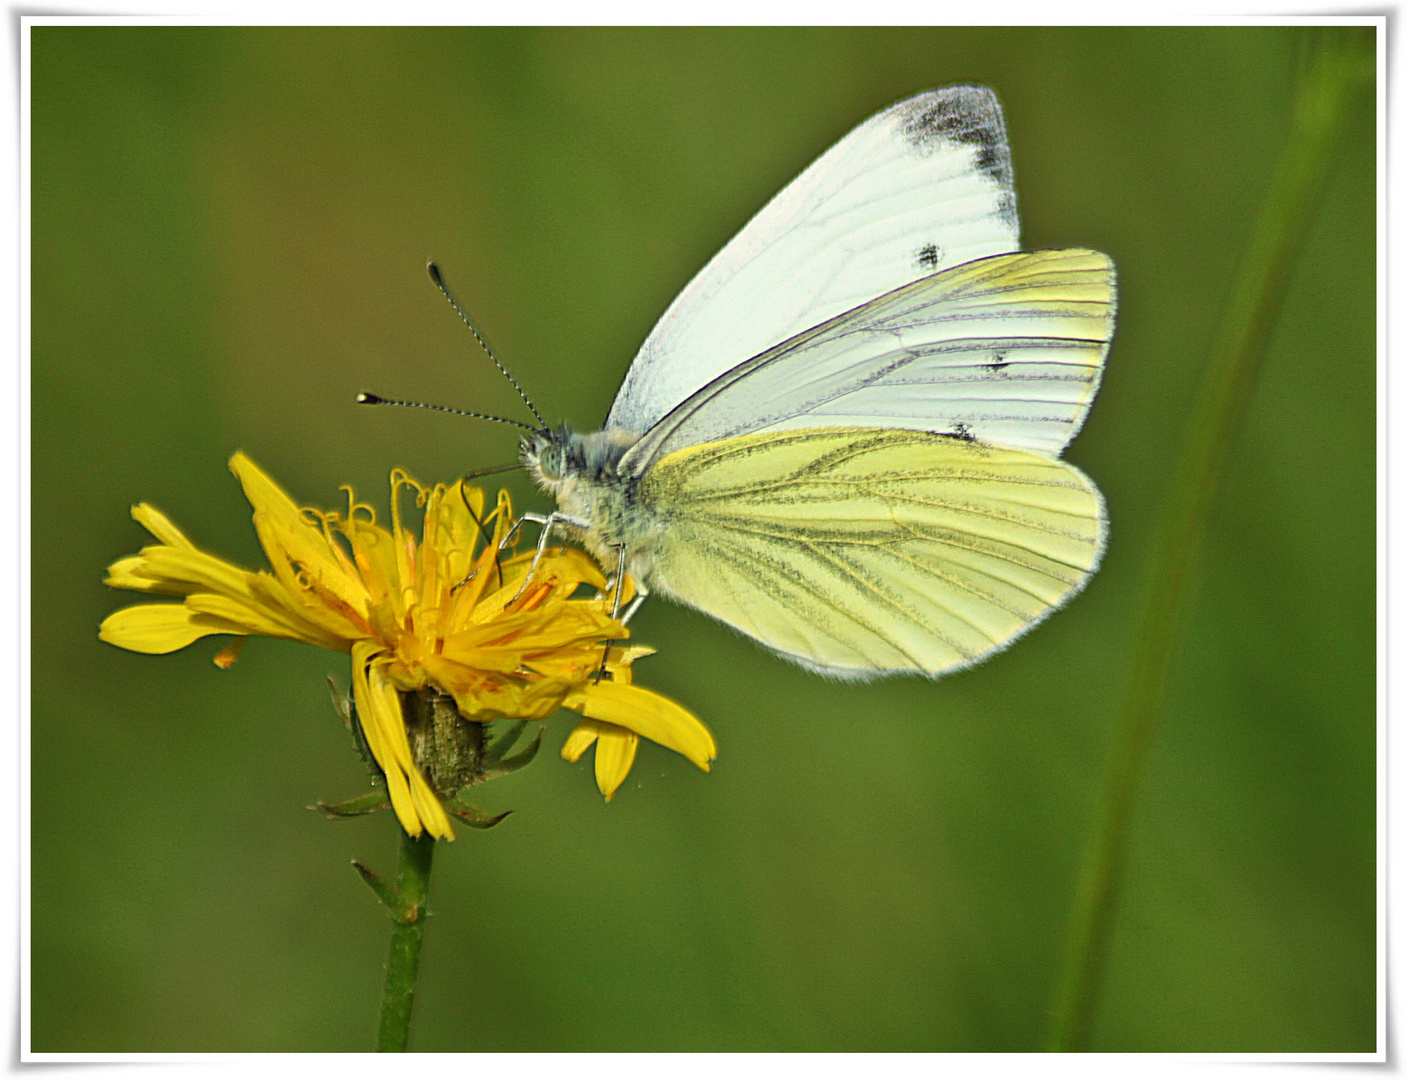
(842, 438)
(877, 489)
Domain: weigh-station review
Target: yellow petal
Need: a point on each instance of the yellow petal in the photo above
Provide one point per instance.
(549, 630)
(451, 533)
(259, 619)
(432, 565)
(177, 571)
(225, 658)
(622, 659)
(383, 724)
(194, 571)
(158, 628)
(466, 591)
(570, 565)
(573, 566)
(503, 520)
(126, 574)
(261, 603)
(502, 660)
(579, 741)
(305, 610)
(649, 714)
(291, 542)
(263, 493)
(374, 550)
(159, 525)
(561, 571)
(615, 753)
(370, 711)
(463, 507)
(483, 697)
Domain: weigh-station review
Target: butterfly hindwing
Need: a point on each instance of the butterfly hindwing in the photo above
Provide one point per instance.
(858, 552)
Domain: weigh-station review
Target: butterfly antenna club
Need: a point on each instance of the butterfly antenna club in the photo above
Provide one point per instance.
(376, 399)
(438, 279)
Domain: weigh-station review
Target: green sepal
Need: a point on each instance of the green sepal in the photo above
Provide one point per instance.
(345, 704)
(340, 701)
(504, 743)
(362, 804)
(387, 893)
(503, 766)
(472, 815)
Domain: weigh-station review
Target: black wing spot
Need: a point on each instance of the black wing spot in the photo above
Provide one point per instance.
(1005, 206)
(961, 430)
(998, 364)
(968, 115)
(929, 255)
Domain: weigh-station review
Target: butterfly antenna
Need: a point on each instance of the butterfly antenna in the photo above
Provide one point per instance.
(375, 399)
(495, 469)
(438, 279)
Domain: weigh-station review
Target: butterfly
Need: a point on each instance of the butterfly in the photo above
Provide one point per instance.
(842, 439)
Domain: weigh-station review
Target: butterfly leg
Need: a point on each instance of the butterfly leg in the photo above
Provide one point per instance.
(548, 523)
(508, 538)
(537, 519)
(641, 594)
(619, 582)
(614, 610)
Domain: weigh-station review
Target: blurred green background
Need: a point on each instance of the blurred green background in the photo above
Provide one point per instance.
(230, 228)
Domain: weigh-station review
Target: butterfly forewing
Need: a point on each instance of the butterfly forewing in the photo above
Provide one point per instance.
(1006, 350)
(922, 186)
(859, 551)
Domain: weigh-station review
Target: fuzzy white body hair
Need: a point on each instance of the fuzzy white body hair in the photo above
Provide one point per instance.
(580, 472)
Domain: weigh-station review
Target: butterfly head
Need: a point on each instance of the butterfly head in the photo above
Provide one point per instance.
(558, 457)
(553, 455)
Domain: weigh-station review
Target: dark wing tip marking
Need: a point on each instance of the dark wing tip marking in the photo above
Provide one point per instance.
(966, 115)
(962, 114)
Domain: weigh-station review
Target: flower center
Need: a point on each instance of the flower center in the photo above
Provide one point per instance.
(447, 748)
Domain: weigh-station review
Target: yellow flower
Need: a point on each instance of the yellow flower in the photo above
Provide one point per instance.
(444, 611)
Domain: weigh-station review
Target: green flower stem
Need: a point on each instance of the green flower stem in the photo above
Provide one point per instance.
(1341, 65)
(416, 855)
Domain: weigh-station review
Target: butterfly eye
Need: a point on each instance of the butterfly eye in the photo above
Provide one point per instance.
(549, 462)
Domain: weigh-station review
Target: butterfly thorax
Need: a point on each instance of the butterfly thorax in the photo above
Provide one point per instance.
(582, 473)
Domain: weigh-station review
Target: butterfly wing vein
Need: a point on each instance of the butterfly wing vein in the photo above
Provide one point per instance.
(923, 184)
(1008, 349)
(859, 551)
